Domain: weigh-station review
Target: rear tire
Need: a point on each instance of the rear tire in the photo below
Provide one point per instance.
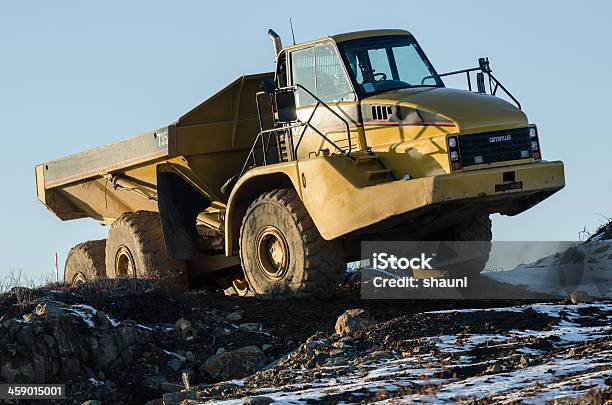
(85, 262)
(282, 252)
(135, 249)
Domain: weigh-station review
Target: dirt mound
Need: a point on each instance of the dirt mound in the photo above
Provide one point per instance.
(119, 342)
(530, 353)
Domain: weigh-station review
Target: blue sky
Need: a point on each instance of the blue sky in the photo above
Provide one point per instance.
(74, 75)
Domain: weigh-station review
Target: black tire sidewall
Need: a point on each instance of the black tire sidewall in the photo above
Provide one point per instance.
(86, 259)
(140, 233)
(118, 238)
(261, 214)
(77, 262)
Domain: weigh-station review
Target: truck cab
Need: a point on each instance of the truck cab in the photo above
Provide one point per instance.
(396, 105)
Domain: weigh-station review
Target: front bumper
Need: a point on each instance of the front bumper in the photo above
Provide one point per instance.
(504, 182)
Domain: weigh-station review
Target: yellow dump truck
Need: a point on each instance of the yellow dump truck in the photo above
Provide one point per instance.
(274, 181)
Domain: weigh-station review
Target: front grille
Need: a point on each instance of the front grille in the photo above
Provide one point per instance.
(497, 146)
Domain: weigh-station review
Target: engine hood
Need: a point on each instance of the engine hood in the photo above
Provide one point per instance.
(470, 112)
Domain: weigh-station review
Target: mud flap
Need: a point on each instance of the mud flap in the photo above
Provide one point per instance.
(179, 205)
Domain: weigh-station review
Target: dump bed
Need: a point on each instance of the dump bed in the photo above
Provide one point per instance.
(209, 143)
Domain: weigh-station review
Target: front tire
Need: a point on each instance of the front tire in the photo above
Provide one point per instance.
(282, 252)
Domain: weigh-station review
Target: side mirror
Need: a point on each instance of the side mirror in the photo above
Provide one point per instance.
(484, 65)
(268, 86)
(285, 105)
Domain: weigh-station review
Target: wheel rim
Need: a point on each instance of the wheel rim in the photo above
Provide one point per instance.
(272, 251)
(124, 263)
(240, 286)
(78, 279)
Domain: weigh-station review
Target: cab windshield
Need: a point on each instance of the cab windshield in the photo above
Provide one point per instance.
(387, 63)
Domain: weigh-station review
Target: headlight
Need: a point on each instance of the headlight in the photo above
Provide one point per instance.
(453, 152)
(535, 143)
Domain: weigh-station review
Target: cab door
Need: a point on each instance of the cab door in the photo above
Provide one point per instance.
(319, 69)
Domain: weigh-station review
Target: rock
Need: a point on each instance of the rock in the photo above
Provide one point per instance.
(257, 401)
(92, 402)
(175, 398)
(171, 387)
(341, 344)
(220, 350)
(191, 357)
(250, 327)
(523, 362)
(185, 330)
(335, 361)
(49, 310)
(28, 317)
(381, 355)
(103, 319)
(181, 357)
(219, 331)
(580, 297)
(336, 352)
(235, 364)
(265, 347)
(155, 381)
(494, 368)
(56, 348)
(174, 364)
(309, 346)
(157, 401)
(353, 320)
(316, 360)
(234, 316)
(320, 337)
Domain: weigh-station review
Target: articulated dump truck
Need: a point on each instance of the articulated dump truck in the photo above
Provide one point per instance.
(269, 186)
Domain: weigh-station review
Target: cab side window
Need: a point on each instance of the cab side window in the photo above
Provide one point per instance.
(319, 69)
(332, 83)
(303, 70)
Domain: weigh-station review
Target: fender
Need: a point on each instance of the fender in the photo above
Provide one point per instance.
(250, 186)
(179, 205)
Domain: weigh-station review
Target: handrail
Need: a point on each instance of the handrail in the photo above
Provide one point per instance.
(321, 102)
(264, 136)
(492, 79)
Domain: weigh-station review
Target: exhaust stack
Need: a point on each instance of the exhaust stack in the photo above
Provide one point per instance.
(276, 41)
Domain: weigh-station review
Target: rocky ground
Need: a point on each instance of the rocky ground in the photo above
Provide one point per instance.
(132, 342)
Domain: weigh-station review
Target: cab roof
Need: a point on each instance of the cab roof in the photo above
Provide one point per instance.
(352, 35)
